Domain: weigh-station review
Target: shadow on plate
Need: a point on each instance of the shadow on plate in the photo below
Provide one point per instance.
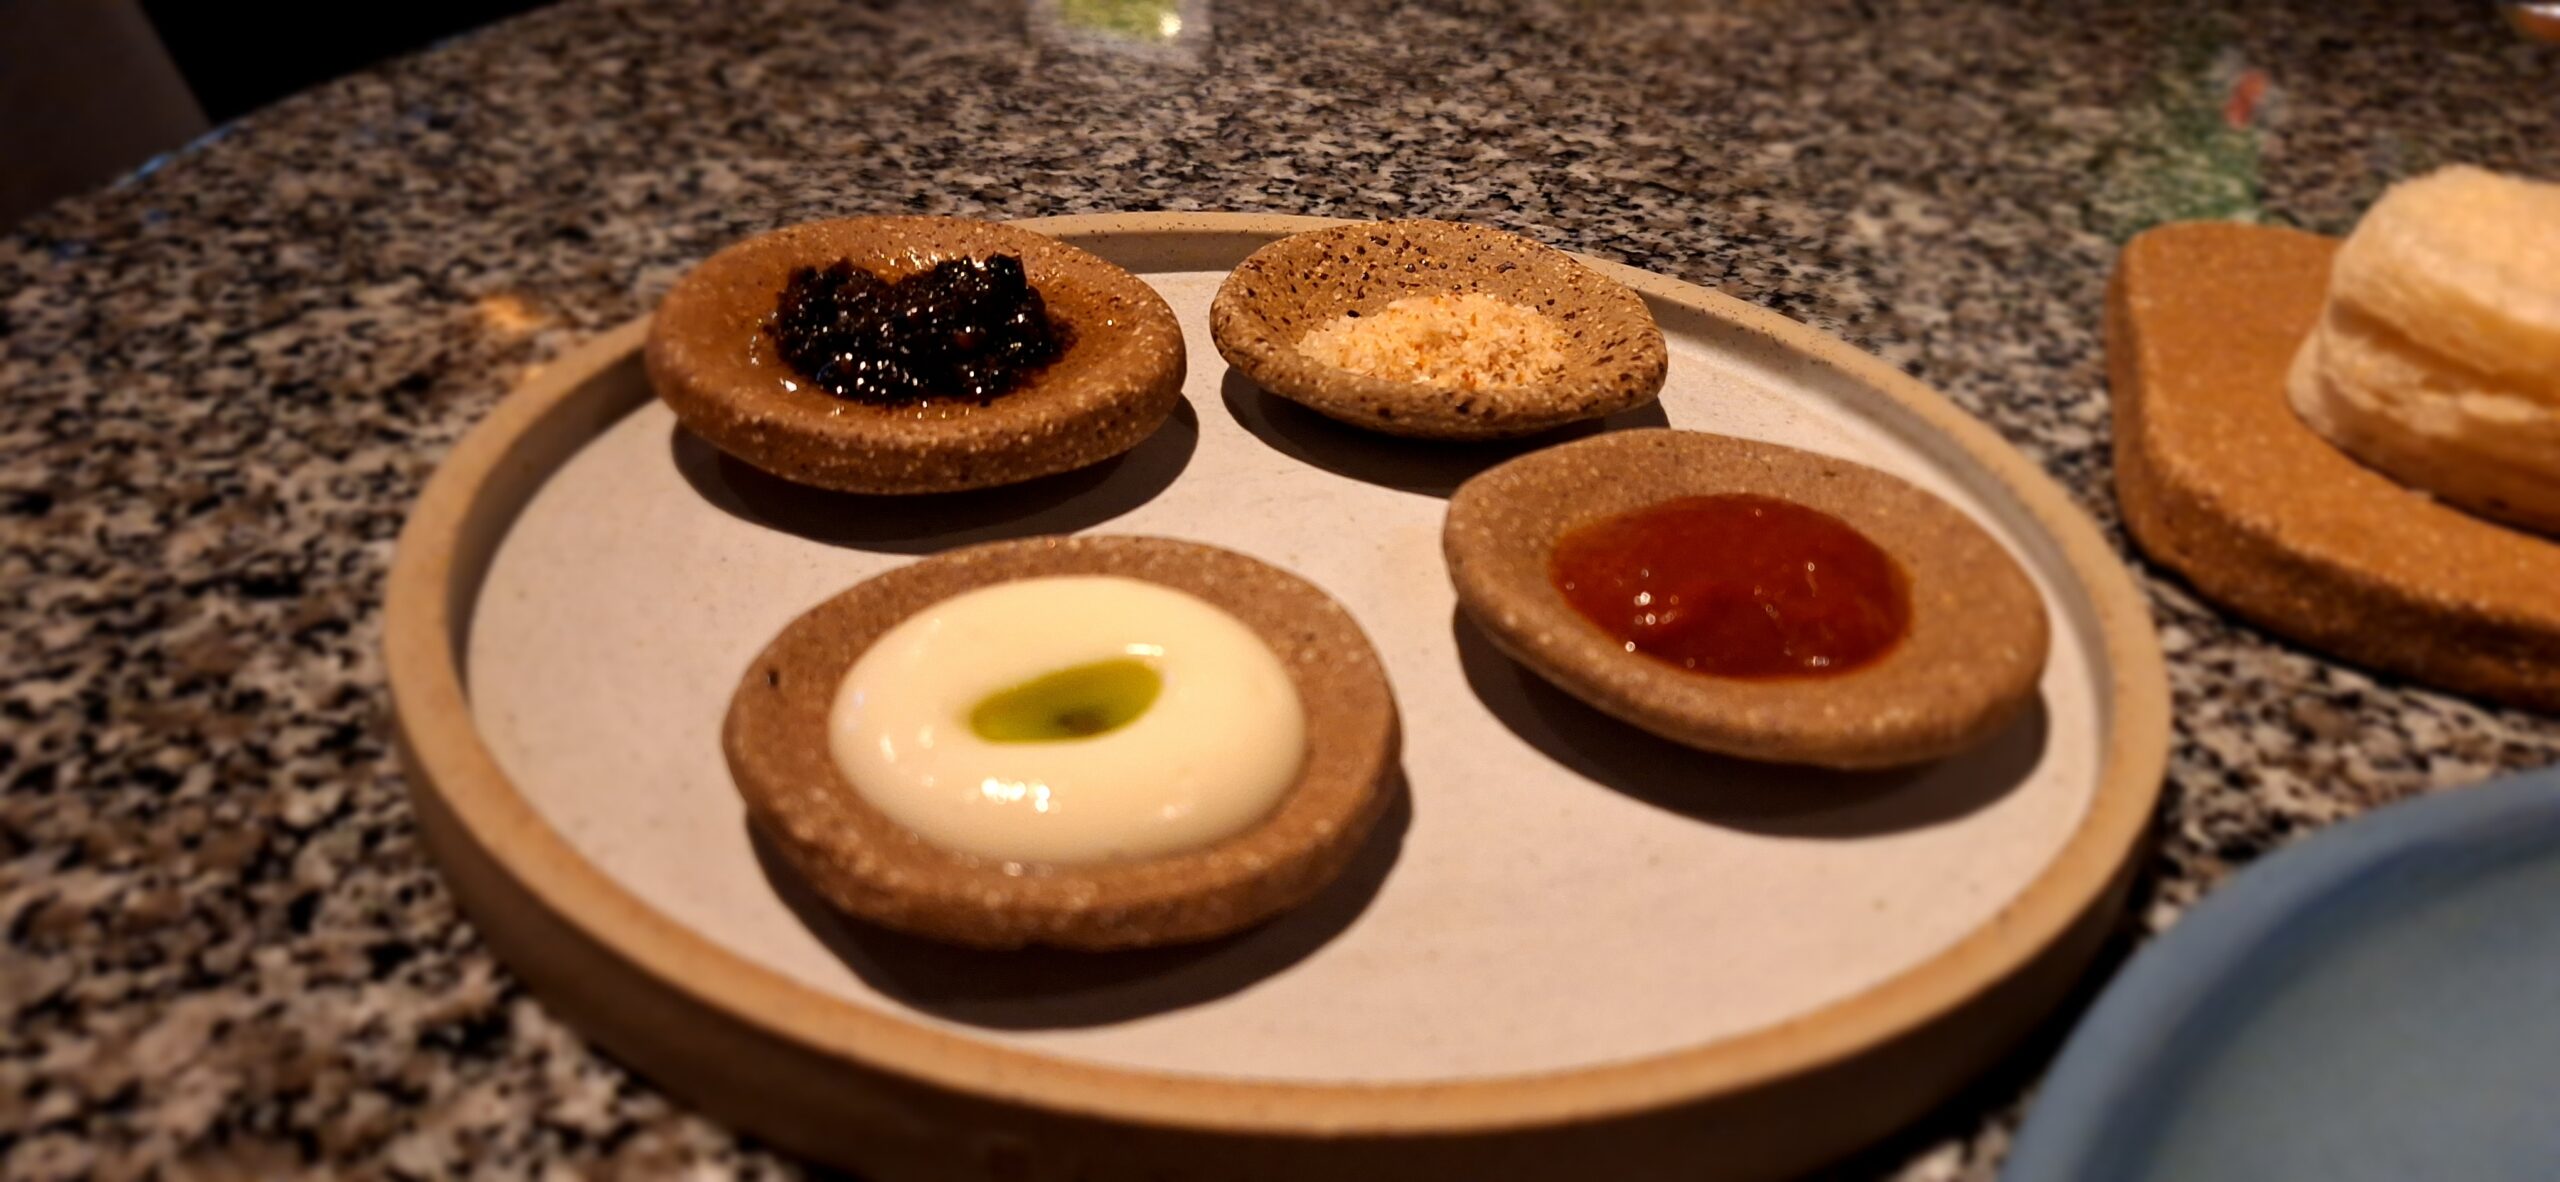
(1047, 989)
(1413, 465)
(934, 522)
(1775, 799)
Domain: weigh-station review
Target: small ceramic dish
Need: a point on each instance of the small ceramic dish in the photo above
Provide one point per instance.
(710, 359)
(864, 863)
(1614, 356)
(1967, 666)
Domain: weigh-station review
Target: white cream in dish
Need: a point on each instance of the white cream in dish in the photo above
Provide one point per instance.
(1213, 752)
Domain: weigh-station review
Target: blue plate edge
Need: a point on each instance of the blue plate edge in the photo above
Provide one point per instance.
(2121, 1044)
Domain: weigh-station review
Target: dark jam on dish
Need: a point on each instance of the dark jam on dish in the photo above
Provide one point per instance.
(966, 330)
(1736, 586)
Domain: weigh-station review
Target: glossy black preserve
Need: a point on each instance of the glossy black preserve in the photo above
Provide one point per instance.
(968, 330)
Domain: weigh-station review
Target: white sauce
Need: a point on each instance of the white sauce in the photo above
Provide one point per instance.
(1219, 747)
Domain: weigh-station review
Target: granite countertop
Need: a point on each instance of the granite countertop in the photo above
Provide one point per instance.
(227, 376)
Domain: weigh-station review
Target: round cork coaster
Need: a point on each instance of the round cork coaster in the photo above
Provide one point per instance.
(2224, 484)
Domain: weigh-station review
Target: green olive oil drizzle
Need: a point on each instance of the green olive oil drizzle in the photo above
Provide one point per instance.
(1080, 702)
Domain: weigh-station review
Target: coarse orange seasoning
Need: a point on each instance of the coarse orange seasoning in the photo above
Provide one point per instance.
(1460, 342)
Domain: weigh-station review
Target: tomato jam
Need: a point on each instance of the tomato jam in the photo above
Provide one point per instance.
(1736, 586)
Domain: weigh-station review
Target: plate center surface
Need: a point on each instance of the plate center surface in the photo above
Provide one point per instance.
(1563, 890)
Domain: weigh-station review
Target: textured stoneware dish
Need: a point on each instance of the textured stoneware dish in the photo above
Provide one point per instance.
(1967, 667)
(776, 741)
(710, 360)
(1614, 356)
(1579, 952)
(2222, 482)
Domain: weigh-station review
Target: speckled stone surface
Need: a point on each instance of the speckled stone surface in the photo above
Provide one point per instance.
(225, 379)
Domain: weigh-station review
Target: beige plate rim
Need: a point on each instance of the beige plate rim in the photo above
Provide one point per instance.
(429, 590)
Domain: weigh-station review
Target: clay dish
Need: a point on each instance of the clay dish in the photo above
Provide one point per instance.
(1614, 353)
(709, 358)
(1969, 664)
(776, 741)
(2222, 482)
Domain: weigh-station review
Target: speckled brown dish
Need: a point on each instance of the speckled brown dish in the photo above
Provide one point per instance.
(1615, 357)
(709, 358)
(2222, 482)
(1968, 666)
(866, 864)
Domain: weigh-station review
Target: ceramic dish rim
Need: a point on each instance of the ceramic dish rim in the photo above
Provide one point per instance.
(2240, 934)
(456, 782)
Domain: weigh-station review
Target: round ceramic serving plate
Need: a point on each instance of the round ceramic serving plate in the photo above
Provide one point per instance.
(1574, 951)
(2374, 1003)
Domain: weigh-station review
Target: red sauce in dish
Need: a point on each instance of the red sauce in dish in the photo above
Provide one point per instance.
(1736, 586)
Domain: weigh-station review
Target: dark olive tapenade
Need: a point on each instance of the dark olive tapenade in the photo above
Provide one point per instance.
(966, 329)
